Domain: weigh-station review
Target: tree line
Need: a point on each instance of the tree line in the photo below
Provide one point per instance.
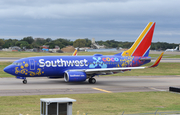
(30, 42)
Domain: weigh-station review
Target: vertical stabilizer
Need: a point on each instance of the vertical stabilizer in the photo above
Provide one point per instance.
(142, 45)
(75, 53)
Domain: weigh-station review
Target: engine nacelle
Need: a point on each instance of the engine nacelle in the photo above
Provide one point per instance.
(75, 76)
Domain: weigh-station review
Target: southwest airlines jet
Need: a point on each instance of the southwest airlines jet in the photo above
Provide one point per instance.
(79, 68)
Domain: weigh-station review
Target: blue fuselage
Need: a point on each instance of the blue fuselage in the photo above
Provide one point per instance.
(55, 66)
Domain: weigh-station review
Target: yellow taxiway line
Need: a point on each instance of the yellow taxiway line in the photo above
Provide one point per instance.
(102, 90)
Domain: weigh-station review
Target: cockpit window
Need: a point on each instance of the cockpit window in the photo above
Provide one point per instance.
(17, 63)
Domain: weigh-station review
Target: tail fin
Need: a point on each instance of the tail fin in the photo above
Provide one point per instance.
(75, 53)
(142, 45)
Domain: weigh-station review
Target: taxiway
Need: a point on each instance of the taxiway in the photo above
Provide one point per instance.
(45, 86)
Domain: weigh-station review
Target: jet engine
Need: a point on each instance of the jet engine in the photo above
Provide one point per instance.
(75, 76)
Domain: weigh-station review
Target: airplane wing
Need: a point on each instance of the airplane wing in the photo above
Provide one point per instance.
(104, 71)
(157, 61)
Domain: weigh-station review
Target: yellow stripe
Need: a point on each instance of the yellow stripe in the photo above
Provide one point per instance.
(102, 90)
(130, 51)
(155, 63)
(74, 52)
(159, 57)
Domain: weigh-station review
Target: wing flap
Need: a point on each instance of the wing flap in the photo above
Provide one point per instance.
(112, 69)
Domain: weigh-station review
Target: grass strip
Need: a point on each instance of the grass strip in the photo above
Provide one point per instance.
(31, 54)
(96, 104)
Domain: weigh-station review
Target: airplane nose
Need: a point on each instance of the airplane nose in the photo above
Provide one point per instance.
(8, 69)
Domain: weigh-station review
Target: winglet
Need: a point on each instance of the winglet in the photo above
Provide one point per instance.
(75, 53)
(157, 61)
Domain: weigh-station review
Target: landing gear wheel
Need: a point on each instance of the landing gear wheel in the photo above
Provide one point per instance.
(25, 81)
(92, 80)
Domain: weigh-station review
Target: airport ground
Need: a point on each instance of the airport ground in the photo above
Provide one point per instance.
(135, 93)
(18, 55)
(110, 84)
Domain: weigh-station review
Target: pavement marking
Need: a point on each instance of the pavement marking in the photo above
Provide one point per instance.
(156, 89)
(102, 90)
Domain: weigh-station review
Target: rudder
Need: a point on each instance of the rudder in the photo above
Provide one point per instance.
(142, 45)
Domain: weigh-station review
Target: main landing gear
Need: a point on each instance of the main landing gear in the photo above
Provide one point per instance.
(92, 80)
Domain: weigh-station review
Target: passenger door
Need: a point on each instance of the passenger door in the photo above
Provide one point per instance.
(32, 64)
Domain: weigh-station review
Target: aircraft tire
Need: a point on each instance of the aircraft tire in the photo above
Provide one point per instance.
(25, 81)
(92, 80)
(89, 80)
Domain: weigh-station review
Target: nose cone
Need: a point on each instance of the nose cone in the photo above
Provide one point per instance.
(8, 69)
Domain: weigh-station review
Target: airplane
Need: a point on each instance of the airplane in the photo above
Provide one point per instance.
(75, 53)
(172, 50)
(81, 68)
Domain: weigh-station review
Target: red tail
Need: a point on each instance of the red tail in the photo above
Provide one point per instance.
(142, 45)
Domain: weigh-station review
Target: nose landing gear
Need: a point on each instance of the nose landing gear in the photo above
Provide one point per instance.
(24, 81)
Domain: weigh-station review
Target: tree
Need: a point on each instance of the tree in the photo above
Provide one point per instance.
(22, 44)
(88, 42)
(79, 43)
(9, 43)
(48, 39)
(40, 41)
(60, 44)
(2, 42)
(28, 39)
(100, 42)
(127, 44)
(65, 42)
(35, 45)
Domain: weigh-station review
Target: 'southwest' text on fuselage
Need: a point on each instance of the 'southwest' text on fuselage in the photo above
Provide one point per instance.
(62, 63)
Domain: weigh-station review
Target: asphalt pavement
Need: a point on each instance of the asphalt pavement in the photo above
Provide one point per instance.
(111, 84)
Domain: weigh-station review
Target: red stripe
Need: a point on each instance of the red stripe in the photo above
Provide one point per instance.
(156, 62)
(145, 43)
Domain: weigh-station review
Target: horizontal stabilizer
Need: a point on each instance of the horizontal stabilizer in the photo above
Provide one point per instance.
(144, 59)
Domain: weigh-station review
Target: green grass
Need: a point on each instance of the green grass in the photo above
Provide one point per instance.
(162, 69)
(96, 104)
(30, 54)
(2, 66)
